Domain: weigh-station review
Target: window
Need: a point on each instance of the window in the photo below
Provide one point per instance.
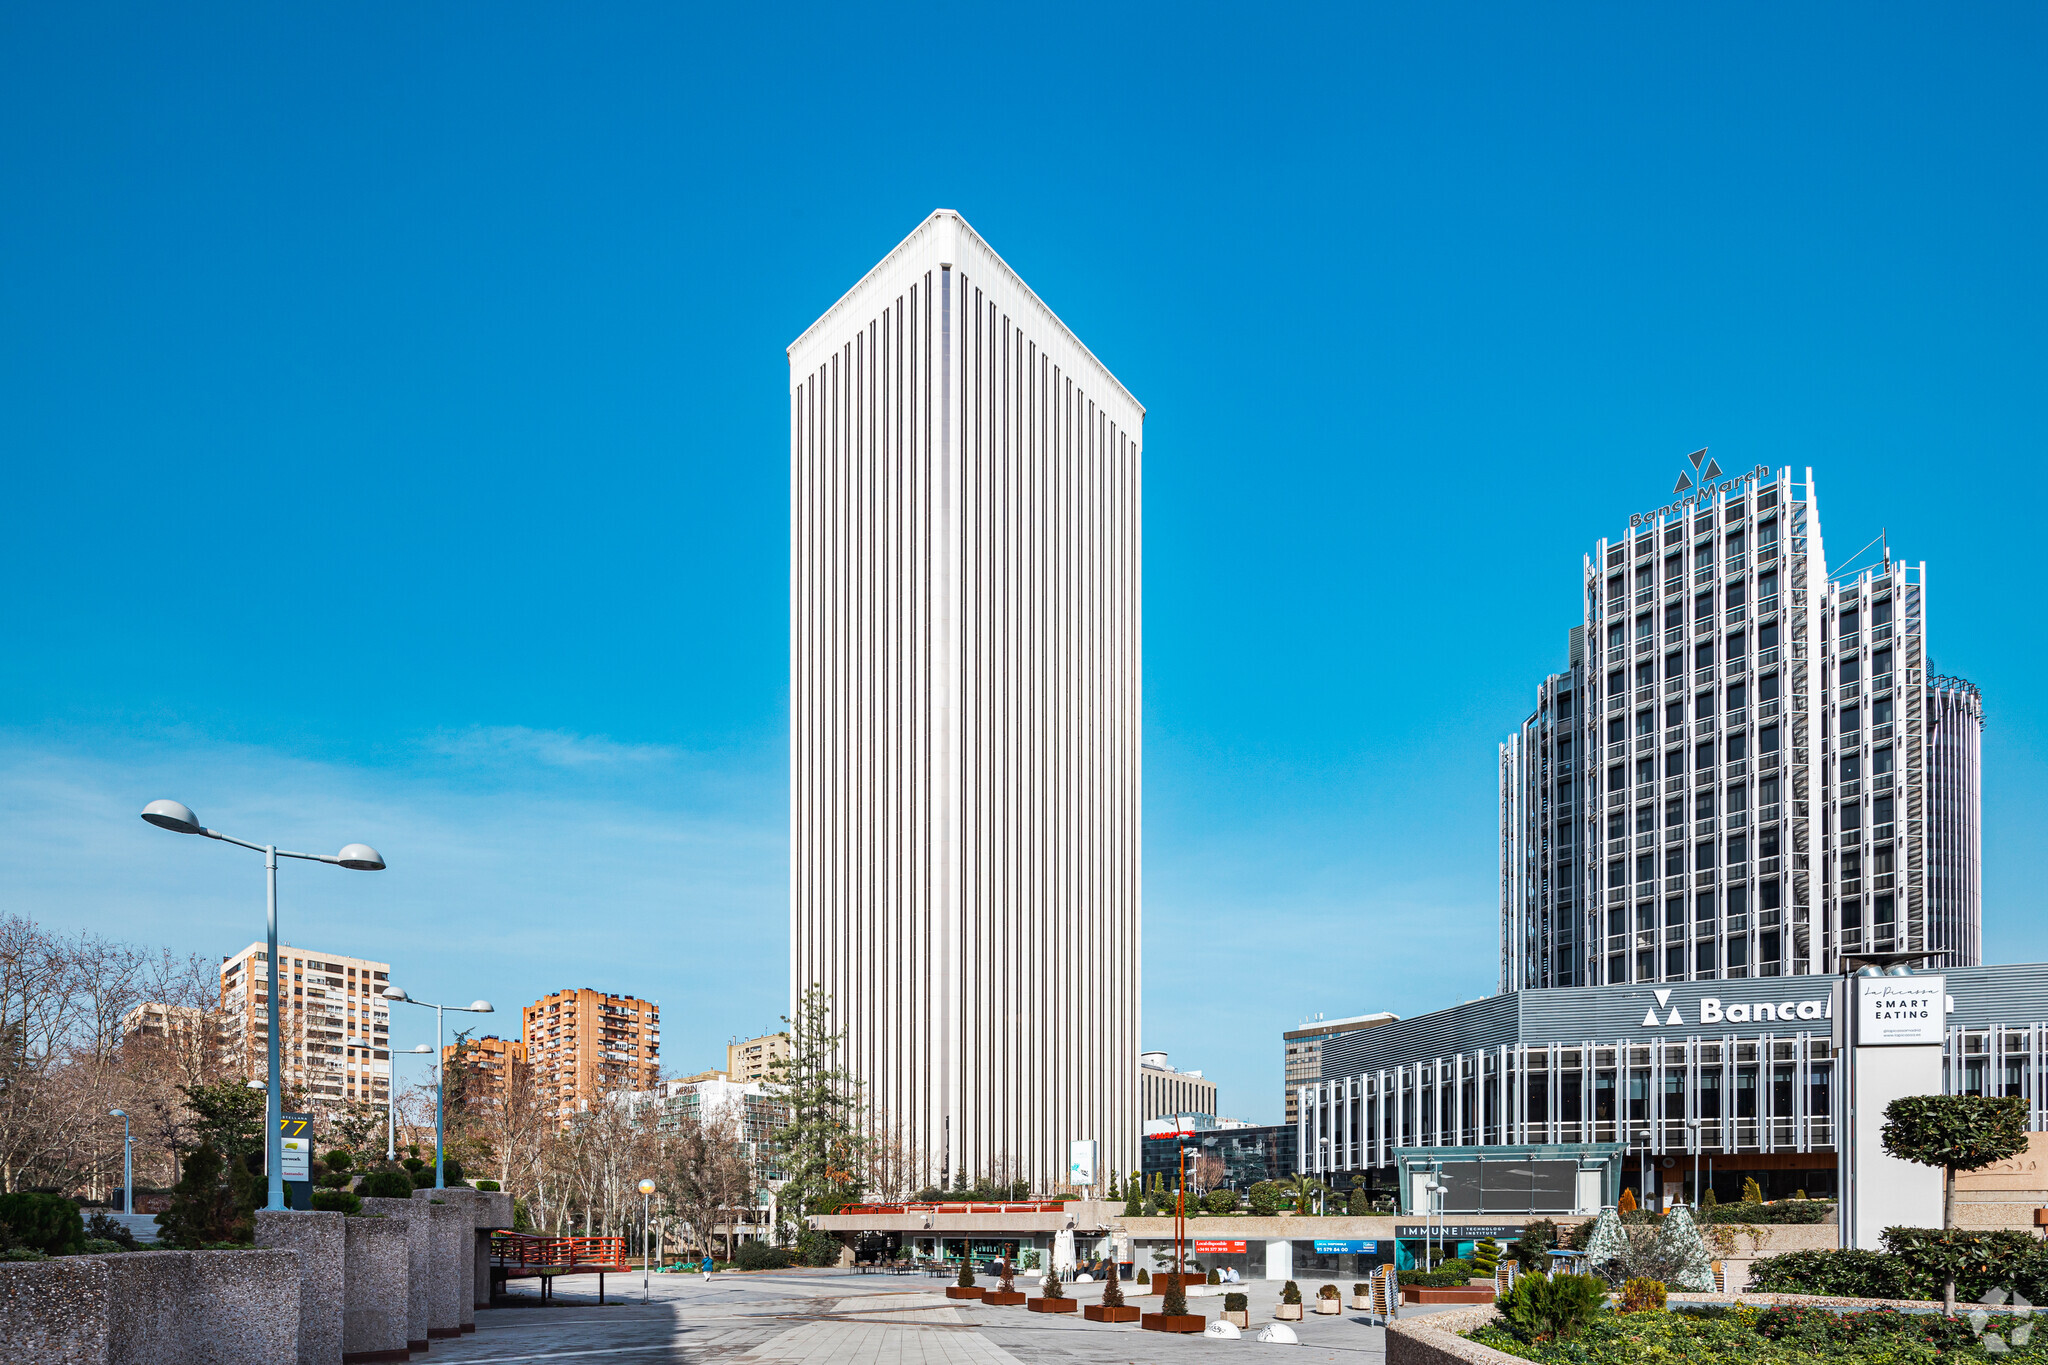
(1674, 913)
(1646, 819)
(1564, 754)
(1646, 721)
(1674, 861)
(1849, 626)
(1769, 896)
(1617, 729)
(1646, 771)
(1852, 767)
(1674, 712)
(1738, 849)
(1767, 636)
(1881, 664)
(1738, 953)
(1646, 867)
(1745, 1090)
(1767, 740)
(1703, 907)
(1738, 747)
(1617, 683)
(1617, 825)
(1674, 567)
(1883, 859)
(1767, 842)
(1852, 669)
(1881, 760)
(1703, 552)
(1767, 533)
(1703, 804)
(1766, 688)
(1643, 626)
(1615, 585)
(1674, 616)
(1703, 963)
(1852, 719)
(1703, 755)
(1646, 675)
(1645, 579)
(1674, 812)
(1738, 645)
(1703, 705)
(1564, 705)
(1738, 797)
(1703, 607)
(1738, 696)
(1852, 913)
(1703, 657)
(1881, 814)
(1766, 591)
(1852, 865)
(1646, 916)
(1703, 855)
(1674, 663)
(1736, 591)
(1767, 946)
(1881, 612)
(1674, 763)
(1617, 777)
(1881, 915)
(1674, 970)
(1852, 818)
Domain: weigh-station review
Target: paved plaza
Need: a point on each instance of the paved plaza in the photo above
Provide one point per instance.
(772, 1318)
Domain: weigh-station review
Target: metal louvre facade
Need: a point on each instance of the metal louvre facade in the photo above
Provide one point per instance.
(1722, 1068)
(1747, 768)
(964, 711)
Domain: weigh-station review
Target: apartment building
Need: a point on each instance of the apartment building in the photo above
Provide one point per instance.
(1749, 767)
(1164, 1090)
(753, 1059)
(334, 1038)
(584, 1044)
(490, 1059)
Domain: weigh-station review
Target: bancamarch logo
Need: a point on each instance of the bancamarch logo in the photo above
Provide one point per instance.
(1705, 492)
(1712, 1011)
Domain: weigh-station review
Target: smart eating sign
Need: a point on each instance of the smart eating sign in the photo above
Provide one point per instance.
(1900, 1011)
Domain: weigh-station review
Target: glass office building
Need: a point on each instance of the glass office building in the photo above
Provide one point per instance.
(1660, 1089)
(1748, 767)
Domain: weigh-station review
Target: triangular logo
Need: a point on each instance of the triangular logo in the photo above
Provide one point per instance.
(1697, 456)
(1663, 997)
(1674, 1019)
(1682, 484)
(1649, 1018)
(1713, 471)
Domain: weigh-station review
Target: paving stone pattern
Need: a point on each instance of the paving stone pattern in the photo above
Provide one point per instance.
(834, 1319)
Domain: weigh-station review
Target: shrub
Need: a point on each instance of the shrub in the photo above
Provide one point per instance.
(1784, 1211)
(338, 1159)
(1551, 1307)
(1175, 1302)
(761, 1256)
(1642, 1296)
(1359, 1291)
(1214, 1278)
(490, 1185)
(1329, 1291)
(1236, 1303)
(1027, 1259)
(1143, 1278)
(1112, 1292)
(1290, 1293)
(1708, 1201)
(1053, 1289)
(336, 1201)
(1450, 1274)
(822, 1249)
(423, 1178)
(1531, 1249)
(1752, 1193)
(1221, 1201)
(1266, 1198)
(102, 1246)
(386, 1185)
(102, 1228)
(1847, 1274)
(966, 1280)
(214, 1201)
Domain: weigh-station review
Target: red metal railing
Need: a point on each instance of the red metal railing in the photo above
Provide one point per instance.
(1022, 1206)
(522, 1251)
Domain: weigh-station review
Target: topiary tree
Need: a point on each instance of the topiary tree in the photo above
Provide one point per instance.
(1752, 1193)
(1956, 1133)
(1290, 1293)
(1175, 1302)
(966, 1280)
(1053, 1288)
(1609, 1241)
(1221, 1201)
(1112, 1292)
(1708, 1201)
(1680, 1246)
(1360, 1203)
(1628, 1202)
(1485, 1257)
(330, 1200)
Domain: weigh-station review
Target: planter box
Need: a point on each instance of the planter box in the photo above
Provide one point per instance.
(1173, 1322)
(996, 1298)
(1361, 1301)
(1051, 1305)
(1158, 1285)
(1096, 1312)
(954, 1291)
(1241, 1316)
(1415, 1293)
(1287, 1312)
(1329, 1308)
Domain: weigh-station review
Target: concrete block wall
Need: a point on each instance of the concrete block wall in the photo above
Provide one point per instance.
(152, 1308)
(452, 1232)
(419, 1261)
(321, 1242)
(375, 1287)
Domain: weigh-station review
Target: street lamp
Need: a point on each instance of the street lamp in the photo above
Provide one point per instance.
(179, 819)
(127, 1162)
(646, 1235)
(391, 1105)
(1693, 1131)
(398, 996)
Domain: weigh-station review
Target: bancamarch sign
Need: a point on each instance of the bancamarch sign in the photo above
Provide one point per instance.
(1713, 1009)
(1705, 493)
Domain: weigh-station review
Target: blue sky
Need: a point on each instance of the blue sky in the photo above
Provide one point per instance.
(391, 402)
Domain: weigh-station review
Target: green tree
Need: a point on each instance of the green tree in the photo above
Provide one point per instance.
(1752, 1193)
(820, 1146)
(1956, 1133)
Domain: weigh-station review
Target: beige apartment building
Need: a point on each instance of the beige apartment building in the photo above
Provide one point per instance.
(1303, 1054)
(584, 1044)
(750, 1059)
(335, 1026)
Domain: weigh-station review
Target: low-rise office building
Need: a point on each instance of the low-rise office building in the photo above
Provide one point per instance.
(1543, 1101)
(1166, 1090)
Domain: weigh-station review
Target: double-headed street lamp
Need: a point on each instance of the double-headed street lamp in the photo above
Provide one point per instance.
(393, 993)
(179, 819)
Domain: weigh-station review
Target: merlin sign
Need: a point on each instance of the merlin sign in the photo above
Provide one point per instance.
(1704, 492)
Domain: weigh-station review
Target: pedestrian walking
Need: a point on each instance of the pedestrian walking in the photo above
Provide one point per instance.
(706, 1268)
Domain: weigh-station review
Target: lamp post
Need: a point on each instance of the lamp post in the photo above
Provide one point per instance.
(646, 1235)
(179, 819)
(127, 1162)
(393, 993)
(1693, 1131)
(391, 1104)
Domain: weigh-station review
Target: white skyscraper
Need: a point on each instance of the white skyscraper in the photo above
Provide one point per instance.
(964, 710)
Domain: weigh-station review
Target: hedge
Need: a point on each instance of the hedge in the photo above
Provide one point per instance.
(1913, 1265)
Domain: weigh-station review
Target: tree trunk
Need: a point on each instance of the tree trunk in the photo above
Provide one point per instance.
(1948, 1222)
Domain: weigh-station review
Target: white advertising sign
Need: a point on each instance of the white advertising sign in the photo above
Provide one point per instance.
(1893, 1011)
(298, 1158)
(1081, 1161)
